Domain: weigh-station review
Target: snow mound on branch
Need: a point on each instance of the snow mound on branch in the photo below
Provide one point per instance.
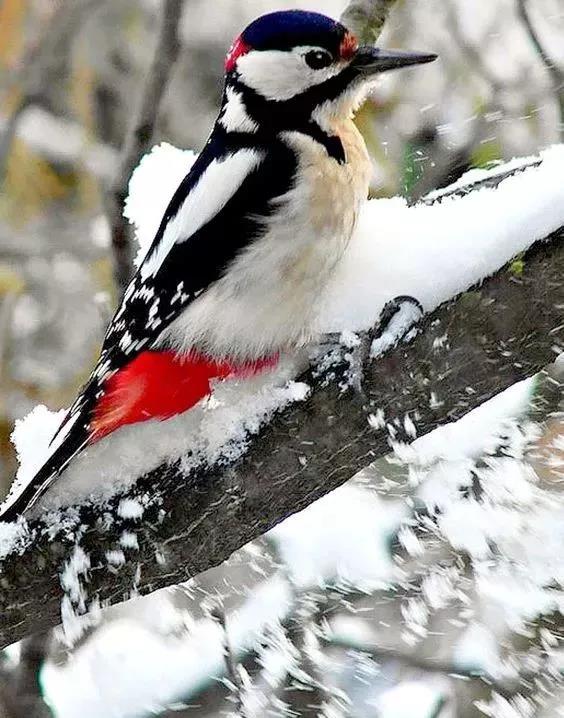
(31, 437)
(151, 187)
(434, 252)
(354, 552)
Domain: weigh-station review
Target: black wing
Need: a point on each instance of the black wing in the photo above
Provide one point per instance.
(155, 298)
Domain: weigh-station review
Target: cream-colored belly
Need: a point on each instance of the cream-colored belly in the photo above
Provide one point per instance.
(268, 300)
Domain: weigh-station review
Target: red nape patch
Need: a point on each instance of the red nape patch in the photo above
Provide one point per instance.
(348, 46)
(158, 385)
(239, 47)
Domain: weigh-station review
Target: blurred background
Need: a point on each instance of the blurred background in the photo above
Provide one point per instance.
(70, 77)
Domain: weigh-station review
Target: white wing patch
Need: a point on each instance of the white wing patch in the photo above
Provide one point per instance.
(234, 116)
(214, 189)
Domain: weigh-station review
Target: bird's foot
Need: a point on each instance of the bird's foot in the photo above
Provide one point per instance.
(398, 322)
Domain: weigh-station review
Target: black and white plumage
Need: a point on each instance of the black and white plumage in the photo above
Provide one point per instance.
(249, 239)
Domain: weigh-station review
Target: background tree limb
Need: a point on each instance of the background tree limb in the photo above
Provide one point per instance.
(139, 136)
(555, 73)
(43, 63)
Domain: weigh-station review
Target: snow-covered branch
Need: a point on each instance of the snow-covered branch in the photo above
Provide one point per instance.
(185, 515)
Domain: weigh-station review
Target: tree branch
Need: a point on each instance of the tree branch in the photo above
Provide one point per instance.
(41, 68)
(507, 687)
(556, 75)
(139, 136)
(366, 18)
(498, 333)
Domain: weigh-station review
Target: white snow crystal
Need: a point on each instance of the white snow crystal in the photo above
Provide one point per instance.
(130, 509)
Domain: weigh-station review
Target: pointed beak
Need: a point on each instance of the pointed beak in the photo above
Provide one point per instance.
(370, 60)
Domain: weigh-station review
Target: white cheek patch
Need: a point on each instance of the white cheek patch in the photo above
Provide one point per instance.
(214, 189)
(279, 75)
(234, 116)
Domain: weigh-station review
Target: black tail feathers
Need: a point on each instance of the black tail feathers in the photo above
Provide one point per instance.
(19, 500)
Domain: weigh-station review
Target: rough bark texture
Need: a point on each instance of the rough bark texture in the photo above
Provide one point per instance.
(496, 334)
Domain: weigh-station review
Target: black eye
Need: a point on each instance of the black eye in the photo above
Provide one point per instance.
(317, 59)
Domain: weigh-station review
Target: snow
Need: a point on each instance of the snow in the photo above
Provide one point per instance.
(433, 252)
(478, 650)
(475, 433)
(500, 707)
(156, 177)
(31, 437)
(342, 539)
(14, 536)
(479, 174)
(155, 670)
(409, 699)
(397, 250)
(399, 327)
(217, 429)
(356, 550)
(130, 509)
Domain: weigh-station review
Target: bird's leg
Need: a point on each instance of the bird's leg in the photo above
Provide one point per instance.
(397, 322)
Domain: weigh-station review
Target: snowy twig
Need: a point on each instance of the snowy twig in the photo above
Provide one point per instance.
(139, 136)
(232, 671)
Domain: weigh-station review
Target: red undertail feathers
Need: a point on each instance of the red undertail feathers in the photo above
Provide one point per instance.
(159, 385)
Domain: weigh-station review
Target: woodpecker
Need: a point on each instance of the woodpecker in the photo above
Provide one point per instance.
(248, 241)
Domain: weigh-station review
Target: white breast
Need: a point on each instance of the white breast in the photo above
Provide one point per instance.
(269, 297)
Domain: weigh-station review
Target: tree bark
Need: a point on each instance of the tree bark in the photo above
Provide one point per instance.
(508, 328)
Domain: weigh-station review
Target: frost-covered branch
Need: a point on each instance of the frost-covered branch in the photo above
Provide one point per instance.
(140, 133)
(181, 519)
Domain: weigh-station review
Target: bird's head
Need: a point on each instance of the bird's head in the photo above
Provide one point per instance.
(292, 66)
